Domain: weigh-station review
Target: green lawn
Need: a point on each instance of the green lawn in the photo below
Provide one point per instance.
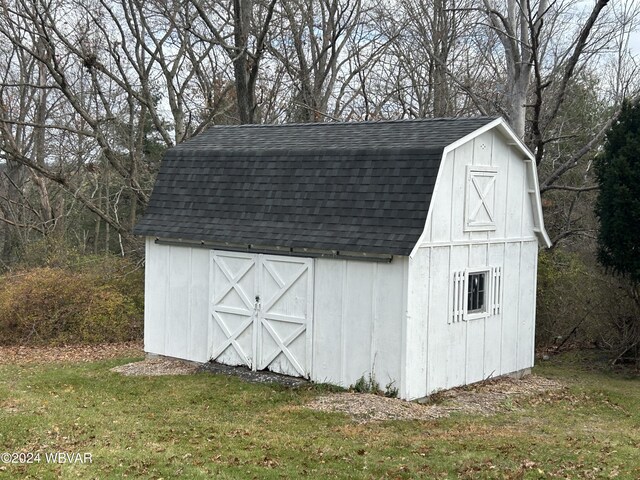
(201, 426)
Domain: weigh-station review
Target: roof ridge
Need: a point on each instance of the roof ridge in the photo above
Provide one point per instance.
(357, 122)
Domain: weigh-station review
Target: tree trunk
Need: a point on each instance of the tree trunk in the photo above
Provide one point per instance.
(245, 97)
(441, 48)
(46, 212)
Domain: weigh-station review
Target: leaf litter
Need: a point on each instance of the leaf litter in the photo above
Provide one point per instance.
(484, 398)
(19, 354)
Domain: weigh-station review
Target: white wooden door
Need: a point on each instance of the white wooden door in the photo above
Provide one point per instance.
(285, 311)
(261, 311)
(233, 283)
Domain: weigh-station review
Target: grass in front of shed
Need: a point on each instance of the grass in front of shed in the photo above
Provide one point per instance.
(201, 426)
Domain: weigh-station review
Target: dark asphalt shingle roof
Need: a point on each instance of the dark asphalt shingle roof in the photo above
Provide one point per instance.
(358, 187)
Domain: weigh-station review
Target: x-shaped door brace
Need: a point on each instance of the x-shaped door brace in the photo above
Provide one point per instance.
(283, 345)
(233, 283)
(482, 195)
(282, 285)
(233, 336)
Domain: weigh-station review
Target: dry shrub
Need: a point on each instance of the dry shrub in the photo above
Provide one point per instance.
(61, 306)
(579, 305)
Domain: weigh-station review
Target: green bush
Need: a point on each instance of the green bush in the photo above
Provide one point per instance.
(99, 301)
(366, 385)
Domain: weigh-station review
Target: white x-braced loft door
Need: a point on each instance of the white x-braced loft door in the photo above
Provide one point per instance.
(260, 311)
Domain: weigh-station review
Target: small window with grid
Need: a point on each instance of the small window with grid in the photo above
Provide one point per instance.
(476, 292)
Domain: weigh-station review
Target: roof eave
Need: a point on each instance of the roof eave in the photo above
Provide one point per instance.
(278, 250)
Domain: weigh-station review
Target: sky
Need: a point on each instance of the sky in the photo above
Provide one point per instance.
(635, 43)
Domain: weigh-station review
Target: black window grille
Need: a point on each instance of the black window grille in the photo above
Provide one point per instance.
(476, 292)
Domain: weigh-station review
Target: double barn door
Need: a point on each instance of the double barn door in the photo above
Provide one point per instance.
(261, 311)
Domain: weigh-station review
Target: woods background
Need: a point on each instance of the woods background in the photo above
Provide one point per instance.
(92, 92)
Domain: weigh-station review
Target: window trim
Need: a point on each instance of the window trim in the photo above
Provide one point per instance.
(486, 312)
(459, 294)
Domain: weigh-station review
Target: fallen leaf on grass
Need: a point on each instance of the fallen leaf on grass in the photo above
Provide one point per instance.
(10, 355)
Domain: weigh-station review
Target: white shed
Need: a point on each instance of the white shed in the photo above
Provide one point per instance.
(405, 250)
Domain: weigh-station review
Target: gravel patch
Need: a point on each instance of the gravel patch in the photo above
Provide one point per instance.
(173, 366)
(367, 407)
(153, 367)
(248, 375)
(490, 396)
(484, 398)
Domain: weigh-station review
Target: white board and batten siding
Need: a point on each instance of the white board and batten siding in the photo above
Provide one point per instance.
(358, 328)
(482, 219)
(176, 301)
(268, 312)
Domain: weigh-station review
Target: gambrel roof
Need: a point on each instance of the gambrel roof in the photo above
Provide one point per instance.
(357, 187)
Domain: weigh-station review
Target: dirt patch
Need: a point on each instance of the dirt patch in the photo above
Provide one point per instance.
(69, 353)
(485, 398)
(157, 366)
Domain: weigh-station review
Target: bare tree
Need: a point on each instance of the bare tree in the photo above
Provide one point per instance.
(101, 82)
(24, 96)
(427, 50)
(313, 43)
(240, 29)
